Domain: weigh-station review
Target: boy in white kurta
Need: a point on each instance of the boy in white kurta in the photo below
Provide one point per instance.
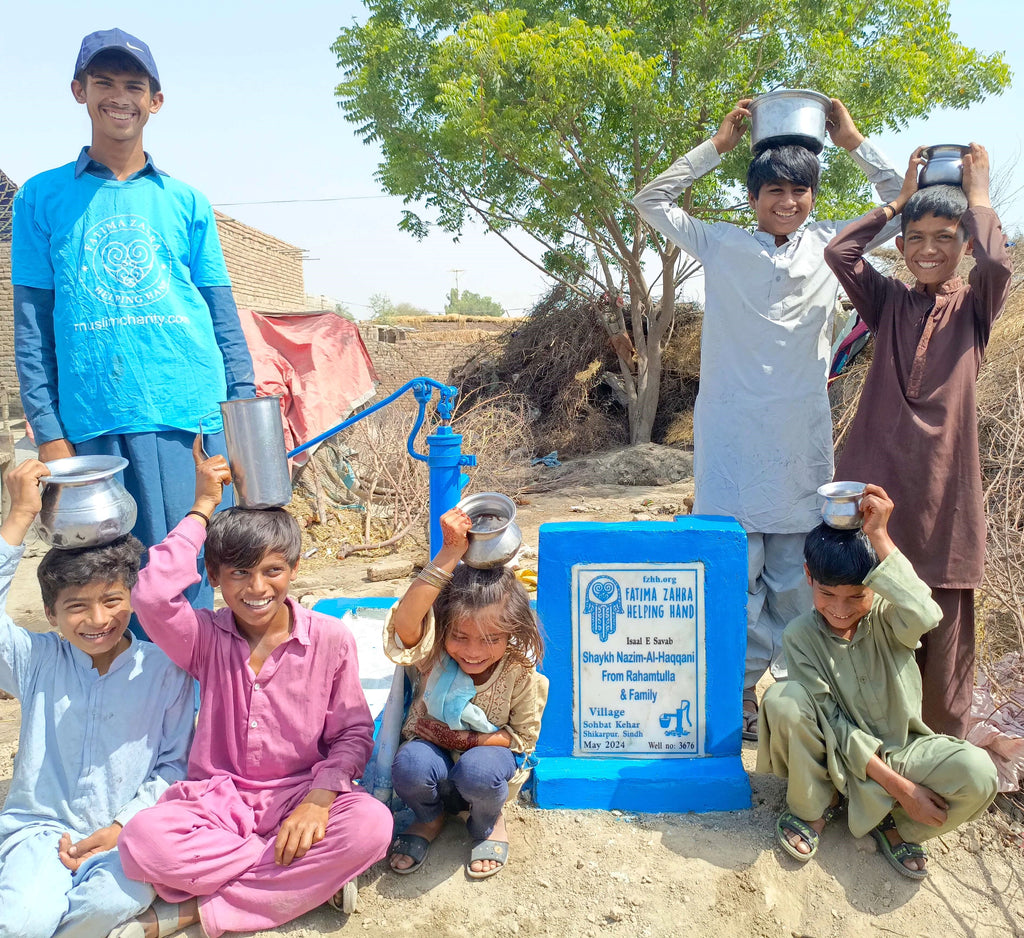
(106, 722)
(762, 424)
(848, 720)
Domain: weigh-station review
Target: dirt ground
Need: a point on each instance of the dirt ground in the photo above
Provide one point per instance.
(593, 873)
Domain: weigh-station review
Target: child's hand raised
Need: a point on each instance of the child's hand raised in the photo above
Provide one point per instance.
(455, 525)
(212, 474)
(876, 507)
(909, 180)
(733, 126)
(22, 482)
(976, 176)
(841, 128)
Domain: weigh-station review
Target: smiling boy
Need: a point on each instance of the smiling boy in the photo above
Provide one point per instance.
(762, 424)
(269, 823)
(126, 332)
(847, 723)
(105, 727)
(916, 428)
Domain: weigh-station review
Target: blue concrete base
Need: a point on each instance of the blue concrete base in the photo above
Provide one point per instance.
(650, 787)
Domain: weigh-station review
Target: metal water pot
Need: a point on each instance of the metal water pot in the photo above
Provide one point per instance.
(84, 503)
(256, 452)
(945, 166)
(494, 537)
(789, 116)
(841, 505)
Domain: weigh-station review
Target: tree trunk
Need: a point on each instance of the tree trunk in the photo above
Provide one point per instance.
(644, 408)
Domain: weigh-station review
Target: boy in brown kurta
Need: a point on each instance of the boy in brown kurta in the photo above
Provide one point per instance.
(916, 432)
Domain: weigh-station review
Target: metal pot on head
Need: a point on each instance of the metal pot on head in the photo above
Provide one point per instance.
(945, 166)
(84, 502)
(257, 456)
(494, 537)
(789, 117)
(841, 506)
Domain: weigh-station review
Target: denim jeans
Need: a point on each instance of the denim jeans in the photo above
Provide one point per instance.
(426, 778)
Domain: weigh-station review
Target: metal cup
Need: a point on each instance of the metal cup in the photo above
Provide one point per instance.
(256, 452)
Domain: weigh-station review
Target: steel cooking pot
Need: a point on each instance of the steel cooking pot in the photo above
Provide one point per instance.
(841, 505)
(789, 116)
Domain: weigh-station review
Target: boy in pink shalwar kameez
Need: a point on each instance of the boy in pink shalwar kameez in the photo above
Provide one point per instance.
(268, 824)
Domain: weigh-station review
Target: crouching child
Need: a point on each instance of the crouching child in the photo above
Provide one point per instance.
(106, 722)
(847, 724)
(269, 823)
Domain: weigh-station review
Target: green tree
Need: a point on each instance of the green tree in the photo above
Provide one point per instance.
(471, 304)
(548, 116)
(386, 311)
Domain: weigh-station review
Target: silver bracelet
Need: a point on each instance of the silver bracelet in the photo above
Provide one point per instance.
(434, 576)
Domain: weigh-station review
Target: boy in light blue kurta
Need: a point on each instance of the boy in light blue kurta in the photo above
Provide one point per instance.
(106, 722)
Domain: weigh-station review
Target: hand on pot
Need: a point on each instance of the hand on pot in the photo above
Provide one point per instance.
(212, 474)
(733, 126)
(841, 128)
(455, 525)
(976, 177)
(26, 501)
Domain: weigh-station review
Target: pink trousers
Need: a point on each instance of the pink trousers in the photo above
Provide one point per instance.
(201, 839)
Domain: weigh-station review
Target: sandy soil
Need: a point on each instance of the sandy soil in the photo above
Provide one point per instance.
(594, 873)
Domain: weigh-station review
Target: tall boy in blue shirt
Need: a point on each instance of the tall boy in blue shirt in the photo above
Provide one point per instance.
(126, 333)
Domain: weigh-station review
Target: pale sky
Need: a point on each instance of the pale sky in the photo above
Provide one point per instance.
(250, 116)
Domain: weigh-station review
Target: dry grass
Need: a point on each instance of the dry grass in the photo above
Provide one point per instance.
(361, 492)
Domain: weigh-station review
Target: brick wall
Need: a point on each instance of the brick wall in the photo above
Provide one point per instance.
(266, 273)
(399, 355)
(8, 378)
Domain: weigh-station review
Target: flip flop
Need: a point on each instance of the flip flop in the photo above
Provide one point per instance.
(902, 851)
(346, 899)
(412, 846)
(487, 850)
(166, 922)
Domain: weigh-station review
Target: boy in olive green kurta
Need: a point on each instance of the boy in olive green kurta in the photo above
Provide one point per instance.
(848, 720)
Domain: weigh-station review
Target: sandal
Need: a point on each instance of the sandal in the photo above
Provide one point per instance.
(749, 731)
(790, 822)
(412, 846)
(487, 850)
(167, 919)
(346, 899)
(902, 851)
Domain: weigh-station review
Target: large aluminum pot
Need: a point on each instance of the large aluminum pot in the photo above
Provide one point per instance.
(84, 503)
(494, 537)
(257, 456)
(789, 116)
(945, 166)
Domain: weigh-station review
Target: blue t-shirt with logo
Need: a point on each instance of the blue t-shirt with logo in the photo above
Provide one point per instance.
(134, 340)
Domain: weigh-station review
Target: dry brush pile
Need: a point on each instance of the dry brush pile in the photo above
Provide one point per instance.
(560, 360)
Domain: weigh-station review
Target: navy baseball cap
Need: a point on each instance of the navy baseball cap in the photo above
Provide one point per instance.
(104, 39)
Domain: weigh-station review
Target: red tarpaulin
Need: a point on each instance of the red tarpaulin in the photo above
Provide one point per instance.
(317, 362)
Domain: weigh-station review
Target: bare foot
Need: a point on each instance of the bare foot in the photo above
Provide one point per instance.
(400, 861)
(893, 836)
(500, 834)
